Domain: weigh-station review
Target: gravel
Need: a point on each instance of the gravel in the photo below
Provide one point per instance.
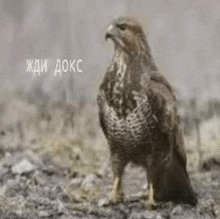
(32, 189)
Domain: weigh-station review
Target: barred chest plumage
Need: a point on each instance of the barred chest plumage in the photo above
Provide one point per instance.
(126, 113)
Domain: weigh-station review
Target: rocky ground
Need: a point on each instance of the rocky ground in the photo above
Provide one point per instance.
(34, 186)
(54, 163)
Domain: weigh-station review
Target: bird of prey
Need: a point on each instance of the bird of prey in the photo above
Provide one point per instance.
(137, 112)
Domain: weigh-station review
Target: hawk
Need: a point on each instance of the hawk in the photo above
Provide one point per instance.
(137, 112)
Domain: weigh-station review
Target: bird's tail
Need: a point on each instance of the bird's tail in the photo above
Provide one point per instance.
(174, 184)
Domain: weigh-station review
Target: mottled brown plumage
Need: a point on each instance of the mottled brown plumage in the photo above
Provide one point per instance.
(137, 110)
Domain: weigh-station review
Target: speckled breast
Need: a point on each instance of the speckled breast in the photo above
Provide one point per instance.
(134, 129)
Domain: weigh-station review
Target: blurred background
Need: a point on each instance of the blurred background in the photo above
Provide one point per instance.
(47, 113)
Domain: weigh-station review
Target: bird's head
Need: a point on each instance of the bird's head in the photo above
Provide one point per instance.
(127, 34)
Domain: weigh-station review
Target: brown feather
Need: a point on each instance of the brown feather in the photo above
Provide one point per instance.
(137, 111)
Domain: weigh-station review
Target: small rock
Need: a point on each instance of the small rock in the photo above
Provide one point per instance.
(215, 184)
(90, 181)
(19, 212)
(143, 215)
(23, 167)
(206, 205)
(103, 202)
(50, 170)
(7, 154)
(177, 210)
(217, 210)
(34, 158)
(76, 182)
(136, 197)
(145, 186)
(44, 214)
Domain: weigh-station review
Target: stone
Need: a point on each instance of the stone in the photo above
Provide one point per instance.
(145, 186)
(34, 158)
(206, 206)
(76, 182)
(177, 210)
(215, 184)
(143, 215)
(217, 210)
(44, 214)
(103, 202)
(90, 181)
(23, 167)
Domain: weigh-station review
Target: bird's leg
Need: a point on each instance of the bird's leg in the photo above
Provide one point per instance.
(151, 202)
(148, 182)
(116, 194)
(118, 165)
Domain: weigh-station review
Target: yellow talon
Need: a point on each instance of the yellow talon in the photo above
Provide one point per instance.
(116, 195)
(151, 202)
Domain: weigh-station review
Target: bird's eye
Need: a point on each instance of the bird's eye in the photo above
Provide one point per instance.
(122, 26)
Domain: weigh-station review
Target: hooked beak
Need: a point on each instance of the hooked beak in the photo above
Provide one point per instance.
(109, 33)
(107, 36)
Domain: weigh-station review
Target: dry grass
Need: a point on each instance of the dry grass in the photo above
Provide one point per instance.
(68, 134)
(71, 135)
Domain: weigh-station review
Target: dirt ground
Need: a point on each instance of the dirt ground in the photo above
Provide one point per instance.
(54, 163)
(35, 186)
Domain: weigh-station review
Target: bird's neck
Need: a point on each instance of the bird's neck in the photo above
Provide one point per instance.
(120, 63)
(121, 55)
(141, 57)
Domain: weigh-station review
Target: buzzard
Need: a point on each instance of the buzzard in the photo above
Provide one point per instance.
(137, 111)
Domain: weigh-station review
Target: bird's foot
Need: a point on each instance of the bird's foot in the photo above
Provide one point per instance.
(116, 197)
(151, 204)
